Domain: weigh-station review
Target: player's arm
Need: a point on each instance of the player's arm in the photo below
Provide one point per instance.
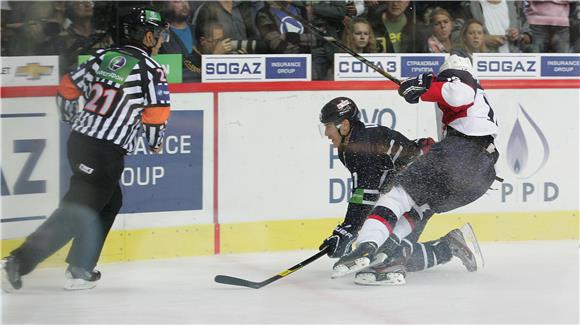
(363, 197)
(157, 109)
(67, 99)
(71, 87)
(453, 94)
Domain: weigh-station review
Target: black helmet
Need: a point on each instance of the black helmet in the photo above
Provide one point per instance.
(339, 109)
(138, 21)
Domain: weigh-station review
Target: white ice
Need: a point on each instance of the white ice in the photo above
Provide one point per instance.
(522, 282)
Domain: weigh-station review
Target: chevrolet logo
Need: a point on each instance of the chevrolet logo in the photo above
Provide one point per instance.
(34, 71)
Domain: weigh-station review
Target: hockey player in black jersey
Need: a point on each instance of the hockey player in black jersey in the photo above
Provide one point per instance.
(374, 155)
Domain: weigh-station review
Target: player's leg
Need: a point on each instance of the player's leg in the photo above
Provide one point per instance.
(87, 245)
(374, 232)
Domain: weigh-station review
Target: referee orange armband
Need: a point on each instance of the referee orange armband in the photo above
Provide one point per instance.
(156, 115)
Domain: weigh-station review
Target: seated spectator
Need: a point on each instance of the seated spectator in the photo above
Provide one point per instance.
(473, 37)
(181, 40)
(394, 30)
(507, 28)
(359, 36)
(442, 24)
(236, 17)
(550, 25)
(282, 33)
(210, 40)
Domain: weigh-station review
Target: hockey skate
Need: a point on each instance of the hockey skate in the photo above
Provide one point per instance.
(80, 279)
(382, 275)
(464, 245)
(362, 257)
(11, 280)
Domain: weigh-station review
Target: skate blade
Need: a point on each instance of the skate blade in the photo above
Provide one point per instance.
(369, 279)
(79, 284)
(342, 270)
(471, 241)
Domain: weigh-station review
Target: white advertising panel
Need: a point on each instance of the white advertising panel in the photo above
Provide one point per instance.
(255, 67)
(29, 71)
(274, 164)
(29, 163)
(538, 146)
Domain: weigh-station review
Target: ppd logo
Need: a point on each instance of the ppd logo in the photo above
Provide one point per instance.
(527, 153)
(518, 154)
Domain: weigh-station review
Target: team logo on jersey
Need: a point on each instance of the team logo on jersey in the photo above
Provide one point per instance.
(521, 159)
(117, 63)
(291, 25)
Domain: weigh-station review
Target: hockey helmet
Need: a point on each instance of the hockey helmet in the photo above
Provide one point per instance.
(338, 110)
(139, 21)
(455, 61)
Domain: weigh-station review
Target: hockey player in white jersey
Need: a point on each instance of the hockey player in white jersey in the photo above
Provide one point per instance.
(455, 172)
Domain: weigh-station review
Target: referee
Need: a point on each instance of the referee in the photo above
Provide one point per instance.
(126, 94)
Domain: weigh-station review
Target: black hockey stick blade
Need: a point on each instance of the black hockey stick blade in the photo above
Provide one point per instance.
(225, 279)
(340, 45)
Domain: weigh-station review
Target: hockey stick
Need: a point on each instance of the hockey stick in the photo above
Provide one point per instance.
(224, 279)
(340, 45)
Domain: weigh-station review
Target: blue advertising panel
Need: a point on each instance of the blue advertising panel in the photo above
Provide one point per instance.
(169, 181)
(172, 180)
(560, 66)
(411, 66)
(286, 68)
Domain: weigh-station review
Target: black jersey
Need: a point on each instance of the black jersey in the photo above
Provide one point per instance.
(373, 155)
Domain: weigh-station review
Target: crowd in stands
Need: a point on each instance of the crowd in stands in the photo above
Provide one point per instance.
(70, 28)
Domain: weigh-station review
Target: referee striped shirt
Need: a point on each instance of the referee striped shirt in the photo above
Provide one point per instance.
(126, 94)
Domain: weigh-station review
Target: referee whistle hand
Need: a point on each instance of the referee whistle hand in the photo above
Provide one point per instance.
(156, 150)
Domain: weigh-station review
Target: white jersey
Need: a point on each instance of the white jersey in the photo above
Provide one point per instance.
(465, 109)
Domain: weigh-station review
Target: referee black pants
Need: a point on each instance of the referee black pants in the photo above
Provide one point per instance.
(86, 212)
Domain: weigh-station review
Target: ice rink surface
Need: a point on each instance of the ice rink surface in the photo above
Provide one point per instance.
(522, 282)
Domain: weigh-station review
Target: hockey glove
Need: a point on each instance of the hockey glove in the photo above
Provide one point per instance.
(412, 89)
(340, 242)
(68, 109)
(425, 145)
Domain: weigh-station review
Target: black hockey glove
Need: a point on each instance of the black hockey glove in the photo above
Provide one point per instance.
(340, 242)
(68, 109)
(412, 89)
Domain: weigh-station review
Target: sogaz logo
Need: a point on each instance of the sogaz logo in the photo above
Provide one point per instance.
(508, 66)
(527, 153)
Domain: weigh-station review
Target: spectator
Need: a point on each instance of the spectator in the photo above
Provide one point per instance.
(442, 24)
(550, 25)
(210, 40)
(359, 36)
(331, 17)
(395, 31)
(508, 30)
(575, 27)
(24, 26)
(236, 17)
(473, 37)
(79, 38)
(283, 34)
(182, 37)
